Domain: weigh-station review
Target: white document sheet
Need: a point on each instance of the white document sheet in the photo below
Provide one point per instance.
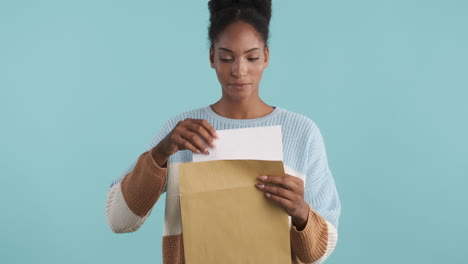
(256, 143)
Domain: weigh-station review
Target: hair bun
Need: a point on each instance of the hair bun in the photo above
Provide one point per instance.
(263, 7)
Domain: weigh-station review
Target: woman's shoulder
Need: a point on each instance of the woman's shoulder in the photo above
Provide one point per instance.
(297, 120)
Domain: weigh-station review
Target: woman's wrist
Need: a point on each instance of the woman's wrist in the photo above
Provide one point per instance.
(159, 157)
(300, 221)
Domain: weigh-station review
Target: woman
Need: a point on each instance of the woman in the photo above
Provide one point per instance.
(239, 54)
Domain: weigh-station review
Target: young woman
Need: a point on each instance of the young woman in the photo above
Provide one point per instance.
(239, 54)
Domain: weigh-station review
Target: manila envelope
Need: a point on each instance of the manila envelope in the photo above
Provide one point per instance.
(226, 219)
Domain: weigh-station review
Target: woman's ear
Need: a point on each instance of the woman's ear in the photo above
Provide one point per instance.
(212, 57)
(267, 56)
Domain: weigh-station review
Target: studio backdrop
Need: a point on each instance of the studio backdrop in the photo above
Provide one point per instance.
(85, 85)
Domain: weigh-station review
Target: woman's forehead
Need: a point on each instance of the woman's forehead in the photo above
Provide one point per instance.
(239, 37)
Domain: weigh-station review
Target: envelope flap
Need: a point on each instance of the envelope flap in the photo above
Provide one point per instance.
(231, 174)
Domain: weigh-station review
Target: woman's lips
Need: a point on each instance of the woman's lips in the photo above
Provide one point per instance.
(239, 85)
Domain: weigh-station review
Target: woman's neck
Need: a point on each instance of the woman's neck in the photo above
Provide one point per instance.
(242, 109)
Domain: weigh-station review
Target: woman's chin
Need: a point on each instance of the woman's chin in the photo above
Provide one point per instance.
(239, 94)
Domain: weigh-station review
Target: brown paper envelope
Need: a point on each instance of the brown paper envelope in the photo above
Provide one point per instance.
(226, 219)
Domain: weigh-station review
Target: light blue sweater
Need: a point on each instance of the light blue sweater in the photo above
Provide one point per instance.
(303, 148)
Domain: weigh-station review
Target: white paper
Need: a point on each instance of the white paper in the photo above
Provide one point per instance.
(256, 143)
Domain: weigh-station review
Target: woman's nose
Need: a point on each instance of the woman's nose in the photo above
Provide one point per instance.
(239, 68)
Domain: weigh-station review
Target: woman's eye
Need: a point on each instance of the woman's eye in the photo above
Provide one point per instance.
(226, 59)
(253, 59)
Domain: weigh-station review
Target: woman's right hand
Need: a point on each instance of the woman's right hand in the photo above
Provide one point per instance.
(192, 134)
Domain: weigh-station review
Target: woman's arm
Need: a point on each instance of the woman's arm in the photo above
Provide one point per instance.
(320, 235)
(312, 237)
(317, 241)
(313, 206)
(131, 197)
(129, 201)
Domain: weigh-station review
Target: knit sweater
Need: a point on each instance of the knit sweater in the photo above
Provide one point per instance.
(134, 192)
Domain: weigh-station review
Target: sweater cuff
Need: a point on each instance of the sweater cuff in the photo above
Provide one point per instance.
(142, 187)
(310, 243)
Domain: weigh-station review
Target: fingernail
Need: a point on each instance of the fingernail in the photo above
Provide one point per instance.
(207, 152)
(263, 177)
(267, 195)
(259, 185)
(216, 134)
(213, 145)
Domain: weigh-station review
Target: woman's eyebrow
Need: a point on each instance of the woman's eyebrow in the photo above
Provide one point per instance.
(228, 50)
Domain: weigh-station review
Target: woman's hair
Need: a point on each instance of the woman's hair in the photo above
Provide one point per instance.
(225, 12)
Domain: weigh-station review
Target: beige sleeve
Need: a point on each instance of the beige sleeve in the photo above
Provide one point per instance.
(129, 202)
(143, 186)
(309, 244)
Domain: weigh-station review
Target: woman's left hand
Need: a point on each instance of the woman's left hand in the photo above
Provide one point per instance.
(288, 192)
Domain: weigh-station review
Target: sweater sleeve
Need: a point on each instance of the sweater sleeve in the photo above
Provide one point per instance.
(316, 242)
(132, 195)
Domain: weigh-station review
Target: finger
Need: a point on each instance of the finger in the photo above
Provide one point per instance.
(297, 180)
(286, 204)
(187, 145)
(207, 126)
(195, 141)
(285, 181)
(278, 191)
(202, 132)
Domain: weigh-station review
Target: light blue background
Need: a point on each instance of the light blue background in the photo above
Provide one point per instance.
(85, 85)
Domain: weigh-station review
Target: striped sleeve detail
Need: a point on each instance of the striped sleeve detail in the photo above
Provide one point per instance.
(142, 187)
(119, 217)
(173, 249)
(332, 240)
(310, 244)
(129, 202)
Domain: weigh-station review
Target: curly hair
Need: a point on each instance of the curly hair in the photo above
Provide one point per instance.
(223, 13)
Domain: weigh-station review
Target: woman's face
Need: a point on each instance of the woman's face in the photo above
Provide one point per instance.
(239, 56)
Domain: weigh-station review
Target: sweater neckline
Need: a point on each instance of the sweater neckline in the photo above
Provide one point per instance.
(220, 118)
